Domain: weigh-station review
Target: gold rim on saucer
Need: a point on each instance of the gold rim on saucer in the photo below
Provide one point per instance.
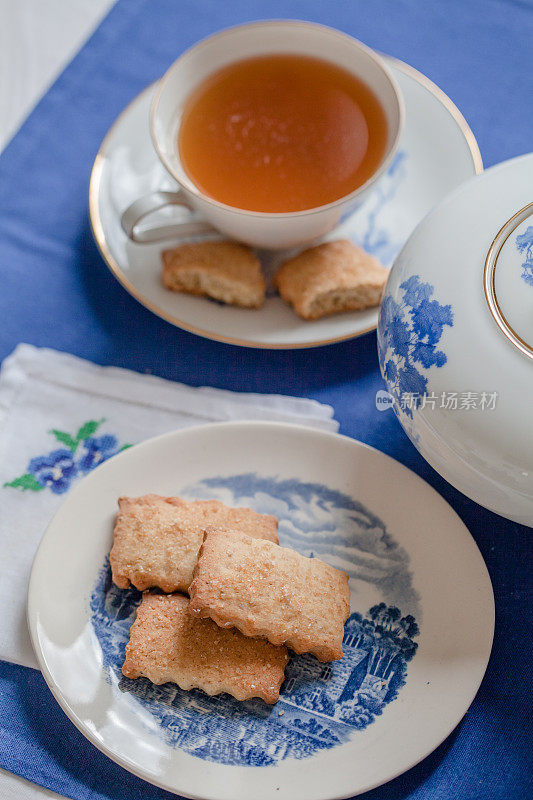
(118, 272)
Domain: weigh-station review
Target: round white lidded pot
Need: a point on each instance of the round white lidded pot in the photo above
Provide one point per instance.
(455, 338)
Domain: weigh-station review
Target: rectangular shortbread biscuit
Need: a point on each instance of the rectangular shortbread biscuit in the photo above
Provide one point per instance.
(271, 591)
(157, 539)
(167, 643)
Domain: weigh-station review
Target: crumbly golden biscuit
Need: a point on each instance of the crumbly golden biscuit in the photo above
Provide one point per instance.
(169, 644)
(332, 277)
(225, 271)
(157, 539)
(271, 591)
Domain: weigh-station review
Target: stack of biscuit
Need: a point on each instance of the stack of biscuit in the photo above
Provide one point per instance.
(234, 601)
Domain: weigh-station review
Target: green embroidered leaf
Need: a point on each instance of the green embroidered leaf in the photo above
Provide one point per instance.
(125, 447)
(88, 429)
(24, 482)
(65, 438)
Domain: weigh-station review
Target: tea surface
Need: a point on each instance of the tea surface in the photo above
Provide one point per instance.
(281, 133)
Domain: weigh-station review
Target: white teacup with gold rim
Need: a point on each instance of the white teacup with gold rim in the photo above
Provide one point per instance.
(268, 229)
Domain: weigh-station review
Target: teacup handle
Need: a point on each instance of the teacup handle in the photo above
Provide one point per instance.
(144, 206)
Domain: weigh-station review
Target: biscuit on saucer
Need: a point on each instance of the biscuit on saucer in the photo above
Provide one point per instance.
(332, 277)
(224, 271)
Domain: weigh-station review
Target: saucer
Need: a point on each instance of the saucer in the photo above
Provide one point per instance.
(415, 648)
(437, 152)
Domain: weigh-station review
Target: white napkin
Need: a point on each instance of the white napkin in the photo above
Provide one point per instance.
(59, 417)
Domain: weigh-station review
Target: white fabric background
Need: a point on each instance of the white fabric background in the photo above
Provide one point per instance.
(37, 40)
(13, 787)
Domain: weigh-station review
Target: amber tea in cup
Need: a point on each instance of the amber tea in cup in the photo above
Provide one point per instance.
(281, 133)
(273, 132)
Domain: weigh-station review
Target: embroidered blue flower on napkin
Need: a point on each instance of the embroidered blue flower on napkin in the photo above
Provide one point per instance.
(56, 470)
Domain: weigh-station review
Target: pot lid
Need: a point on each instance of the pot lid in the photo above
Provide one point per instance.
(455, 338)
(509, 279)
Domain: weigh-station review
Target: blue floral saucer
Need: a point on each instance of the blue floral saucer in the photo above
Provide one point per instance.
(416, 643)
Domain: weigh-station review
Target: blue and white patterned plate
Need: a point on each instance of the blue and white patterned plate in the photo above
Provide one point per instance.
(437, 153)
(415, 647)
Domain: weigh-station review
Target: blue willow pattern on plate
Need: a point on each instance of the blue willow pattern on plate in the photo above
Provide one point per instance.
(409, 331)
(321, 705)
(524, 245)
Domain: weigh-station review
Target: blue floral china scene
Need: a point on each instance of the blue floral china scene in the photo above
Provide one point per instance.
(414, 598)
(455, 338)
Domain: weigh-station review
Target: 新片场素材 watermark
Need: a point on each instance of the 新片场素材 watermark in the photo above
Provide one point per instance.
(450, 401)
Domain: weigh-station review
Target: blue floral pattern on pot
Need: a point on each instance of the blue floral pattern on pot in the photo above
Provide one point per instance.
(321, 705)
(524, 245)
(409, 331)
(57, 469)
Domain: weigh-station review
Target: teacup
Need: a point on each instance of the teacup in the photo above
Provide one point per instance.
(257, 228)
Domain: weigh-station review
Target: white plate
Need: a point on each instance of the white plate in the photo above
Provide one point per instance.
(437, 153)
(347, 726)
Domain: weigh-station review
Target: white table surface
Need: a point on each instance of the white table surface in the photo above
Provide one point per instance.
(38, 38)
(14, 788)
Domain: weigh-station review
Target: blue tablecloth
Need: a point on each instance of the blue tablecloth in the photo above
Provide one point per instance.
(56, 291)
